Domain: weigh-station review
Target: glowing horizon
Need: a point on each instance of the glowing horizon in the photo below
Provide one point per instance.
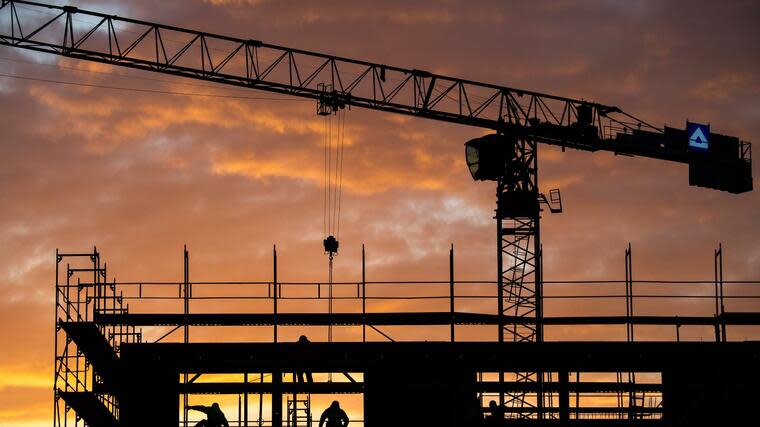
(139, 174)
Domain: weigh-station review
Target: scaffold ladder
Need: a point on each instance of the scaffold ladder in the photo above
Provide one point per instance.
(299, 411)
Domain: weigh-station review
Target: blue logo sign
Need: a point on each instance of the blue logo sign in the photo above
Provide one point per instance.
(699, 136)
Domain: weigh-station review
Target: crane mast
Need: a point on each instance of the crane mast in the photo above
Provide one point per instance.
(521, 120)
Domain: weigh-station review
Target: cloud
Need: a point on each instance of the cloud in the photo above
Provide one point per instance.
(421, 16)
(305, 167)
(725, 85)
(139, 174)
(10, 378)
(233, 2)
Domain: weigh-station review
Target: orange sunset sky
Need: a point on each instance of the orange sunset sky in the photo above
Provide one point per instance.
(141, 174)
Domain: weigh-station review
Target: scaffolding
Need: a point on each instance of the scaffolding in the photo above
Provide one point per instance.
(97, 335)
(81, 293)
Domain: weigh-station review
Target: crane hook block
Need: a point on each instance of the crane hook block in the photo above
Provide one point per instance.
(331, 245)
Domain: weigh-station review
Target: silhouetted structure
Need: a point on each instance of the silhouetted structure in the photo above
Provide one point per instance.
(98, 335)
(304, 343)
(521, 120)
(334, 416)
(495, 416)
(110, 377)
(214, 416)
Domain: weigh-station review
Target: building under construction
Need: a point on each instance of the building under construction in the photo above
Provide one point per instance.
(109, 374)
(114, 369)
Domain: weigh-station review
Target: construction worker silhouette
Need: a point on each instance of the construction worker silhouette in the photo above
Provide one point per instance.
(334, 416)
(304, 349)
(214, 416)
(496, 418)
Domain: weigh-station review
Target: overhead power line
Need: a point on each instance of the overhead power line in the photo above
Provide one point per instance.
(155, 91)
(110, 74)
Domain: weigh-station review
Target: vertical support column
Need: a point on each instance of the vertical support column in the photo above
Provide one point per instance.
(95, 282)
(67, 293)
(245, 400)
(717, 295)
(186, 294)
(261, 401)
(577, 393)
(564, 396)
(539, 285)
(539, 288)
(719, 289)
(517, 216)
(451, 289)
(633, 410)
(99, 295)
(186, 337)
(277, 398)
(629, 293)
(101, 283)
(364, 297)
(56, 397)
(500, 302)
(275, 292)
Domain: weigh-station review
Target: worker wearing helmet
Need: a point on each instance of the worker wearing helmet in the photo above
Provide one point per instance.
(214, 416)
(303, 343)
(334, 416)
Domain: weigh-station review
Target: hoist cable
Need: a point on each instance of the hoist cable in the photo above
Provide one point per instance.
(340, 176)
(334, 136)
(333, 176)
(329, 174)
(335, 179)
(324, 216)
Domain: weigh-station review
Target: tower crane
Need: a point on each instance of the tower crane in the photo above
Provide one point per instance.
(520, 120)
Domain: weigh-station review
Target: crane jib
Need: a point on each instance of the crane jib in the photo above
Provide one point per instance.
(545, 118)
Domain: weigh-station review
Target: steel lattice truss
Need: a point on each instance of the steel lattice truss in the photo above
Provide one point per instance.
(336, 82)
(518, 274)
(520, 282)
(519, 265)
(93, 36)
